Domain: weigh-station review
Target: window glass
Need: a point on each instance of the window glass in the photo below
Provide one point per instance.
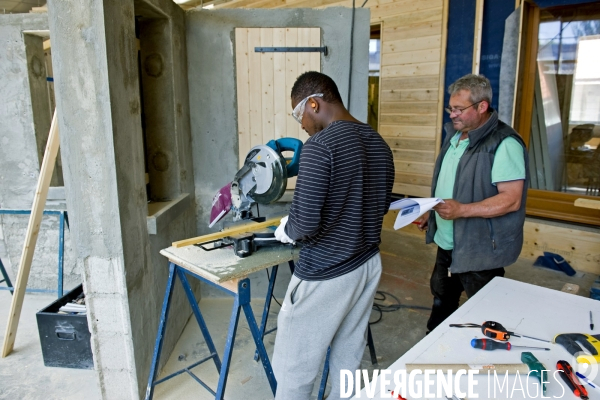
(565, 137)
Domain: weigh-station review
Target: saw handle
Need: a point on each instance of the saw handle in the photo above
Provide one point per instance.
(288, 144)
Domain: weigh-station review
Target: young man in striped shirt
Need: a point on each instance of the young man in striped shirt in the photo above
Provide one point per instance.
(342, 192)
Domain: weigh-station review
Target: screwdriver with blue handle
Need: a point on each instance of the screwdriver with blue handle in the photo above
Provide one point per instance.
(489, 344)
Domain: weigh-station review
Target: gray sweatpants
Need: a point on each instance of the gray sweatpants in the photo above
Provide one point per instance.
(315, 315)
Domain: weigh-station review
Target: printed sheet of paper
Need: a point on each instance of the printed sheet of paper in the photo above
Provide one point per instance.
(411, 209)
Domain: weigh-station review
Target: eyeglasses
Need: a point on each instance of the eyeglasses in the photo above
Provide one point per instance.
(299, 109)
(458, 111)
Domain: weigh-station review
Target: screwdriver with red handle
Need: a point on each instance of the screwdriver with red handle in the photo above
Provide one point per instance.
(566, 373)
(489, 344)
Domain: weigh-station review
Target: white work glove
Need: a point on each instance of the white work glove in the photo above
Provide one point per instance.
(280, 232)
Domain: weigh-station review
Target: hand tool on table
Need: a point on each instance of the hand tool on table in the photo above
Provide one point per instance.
(536, 369)
(495, 330)
(566, 373)
(573, 343)
(261, 180)
(489, 344)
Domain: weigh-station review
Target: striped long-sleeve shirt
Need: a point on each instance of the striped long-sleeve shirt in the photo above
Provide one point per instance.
(342, 193)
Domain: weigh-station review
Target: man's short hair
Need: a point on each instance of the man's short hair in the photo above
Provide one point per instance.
(313, 82)
(478, 85)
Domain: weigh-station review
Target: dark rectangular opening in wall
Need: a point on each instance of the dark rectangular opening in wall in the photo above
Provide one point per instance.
(374, 72)
(158, 110)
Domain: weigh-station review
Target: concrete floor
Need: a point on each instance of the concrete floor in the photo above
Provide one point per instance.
(407, 264)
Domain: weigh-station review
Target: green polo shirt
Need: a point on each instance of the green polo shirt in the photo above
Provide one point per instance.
(509, 165)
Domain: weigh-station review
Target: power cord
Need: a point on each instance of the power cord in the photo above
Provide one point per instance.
(272, 296)
(381, 308)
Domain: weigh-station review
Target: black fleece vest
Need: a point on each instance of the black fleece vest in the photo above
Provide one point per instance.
(482, 243)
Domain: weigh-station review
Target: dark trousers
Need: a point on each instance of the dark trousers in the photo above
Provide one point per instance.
(446, 289)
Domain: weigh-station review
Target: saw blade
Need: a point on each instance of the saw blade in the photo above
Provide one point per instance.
(264, 175)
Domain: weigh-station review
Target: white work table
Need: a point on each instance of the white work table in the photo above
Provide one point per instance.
(521, 308)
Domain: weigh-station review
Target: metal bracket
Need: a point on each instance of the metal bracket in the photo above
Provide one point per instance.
(291, 50)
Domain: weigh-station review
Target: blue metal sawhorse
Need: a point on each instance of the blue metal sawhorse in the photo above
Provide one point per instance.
(241, 294)
(63, 218)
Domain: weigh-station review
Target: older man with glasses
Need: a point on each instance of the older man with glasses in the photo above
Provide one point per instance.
(343, 190)
(482, 174)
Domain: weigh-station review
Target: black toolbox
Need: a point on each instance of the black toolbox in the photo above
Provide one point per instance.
(65, 338)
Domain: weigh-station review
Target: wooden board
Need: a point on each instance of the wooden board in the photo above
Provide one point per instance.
(35, 220)
(477, 37)
(407, 131)
(587, 203)
(411, 57)
(250, 227)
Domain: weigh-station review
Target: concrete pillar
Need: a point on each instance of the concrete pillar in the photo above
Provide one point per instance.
(99, 114)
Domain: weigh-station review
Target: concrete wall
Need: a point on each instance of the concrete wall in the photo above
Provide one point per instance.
(211, 60)
(24, 126)
(100, 121)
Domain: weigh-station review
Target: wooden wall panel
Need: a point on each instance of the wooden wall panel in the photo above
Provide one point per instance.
(413, 46)
(580, 248)
(264, 83)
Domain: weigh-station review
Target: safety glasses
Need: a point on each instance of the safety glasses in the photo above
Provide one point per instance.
(299, 109)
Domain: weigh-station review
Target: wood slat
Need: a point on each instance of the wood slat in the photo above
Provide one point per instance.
(408, 131)
(31, 236)
(280, 95)
(267, 77)
(291, 73)
(412, 190)
(422, 69)
(411, 57)
(406, 83)
(243, 90)
(414, 179)
(382, 12)
(255, 88)
(422, 43)
(407, 119)
(413, 167)
(429, 28)
(252, 227)
(410, 143)
(408, 95)
(408, 108)
(414, 155)
(429, 15)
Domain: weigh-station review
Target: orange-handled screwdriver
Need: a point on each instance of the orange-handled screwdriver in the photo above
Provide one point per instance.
(489, 344)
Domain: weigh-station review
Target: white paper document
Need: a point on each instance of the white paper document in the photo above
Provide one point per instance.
(411, 209)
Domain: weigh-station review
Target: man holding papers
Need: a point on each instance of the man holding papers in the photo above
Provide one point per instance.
(482, 174)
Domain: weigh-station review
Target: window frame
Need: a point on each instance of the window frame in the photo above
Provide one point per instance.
(542, 203)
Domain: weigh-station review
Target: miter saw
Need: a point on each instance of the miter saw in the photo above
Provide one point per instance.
(262, 179)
